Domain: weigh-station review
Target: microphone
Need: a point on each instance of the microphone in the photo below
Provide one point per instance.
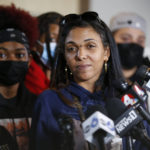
(133, 96)
(98, 128)
(124, 118)
(144, 73)
(127, 122)
(130, 92)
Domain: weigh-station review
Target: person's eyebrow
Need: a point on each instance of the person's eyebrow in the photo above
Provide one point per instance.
(86, 40)
(125, 34)
(20, 49)
(89, 40)
(70, 42)
(142, 36)
(3, 48)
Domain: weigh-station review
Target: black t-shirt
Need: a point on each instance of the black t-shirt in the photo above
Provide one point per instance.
(15, 117)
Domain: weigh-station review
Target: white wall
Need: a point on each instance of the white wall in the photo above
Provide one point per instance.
(37, 7)
(109, 8)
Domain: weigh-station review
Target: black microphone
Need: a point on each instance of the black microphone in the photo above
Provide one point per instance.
(133, 95)
(124, 118)
(92, 109)
(127, 122)
(115, 103)
(97, 125)
(144, 73)
(116, 111)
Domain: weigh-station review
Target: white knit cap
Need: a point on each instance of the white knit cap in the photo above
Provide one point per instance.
(127, 19)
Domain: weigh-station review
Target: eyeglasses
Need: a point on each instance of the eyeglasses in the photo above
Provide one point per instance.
(87, 16)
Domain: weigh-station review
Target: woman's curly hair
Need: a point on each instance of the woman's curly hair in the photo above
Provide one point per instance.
(12, 17)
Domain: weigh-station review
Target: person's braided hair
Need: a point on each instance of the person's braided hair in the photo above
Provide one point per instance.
(44, 20)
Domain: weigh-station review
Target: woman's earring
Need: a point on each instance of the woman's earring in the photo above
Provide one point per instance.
(66, 70)
(70, 73)
(105, 65)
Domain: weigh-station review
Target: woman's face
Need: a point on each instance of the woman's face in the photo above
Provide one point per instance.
(130, 35)
(85, 54)
(54, 31)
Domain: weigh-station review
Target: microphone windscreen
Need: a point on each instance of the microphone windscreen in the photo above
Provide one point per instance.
(115, 107)
(120, 84)
(90, 111)
(141, 72)
(94, 108)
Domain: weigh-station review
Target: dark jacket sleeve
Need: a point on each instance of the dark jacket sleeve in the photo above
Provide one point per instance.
(44, 128)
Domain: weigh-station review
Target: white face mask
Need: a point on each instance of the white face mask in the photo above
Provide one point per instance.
(44, 56)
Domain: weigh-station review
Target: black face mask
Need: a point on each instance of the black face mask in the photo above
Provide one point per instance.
(12, 72)
(131, 55)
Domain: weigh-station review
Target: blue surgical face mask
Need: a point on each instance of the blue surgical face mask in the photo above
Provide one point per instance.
(44, 56)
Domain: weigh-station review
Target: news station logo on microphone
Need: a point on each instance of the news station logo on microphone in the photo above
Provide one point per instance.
(126, 121)
(94, 122)
(129, 99)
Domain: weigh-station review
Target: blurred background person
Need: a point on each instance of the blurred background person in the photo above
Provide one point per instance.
(43, 52)
(49, 31)
(129, 31)
(16, 102)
